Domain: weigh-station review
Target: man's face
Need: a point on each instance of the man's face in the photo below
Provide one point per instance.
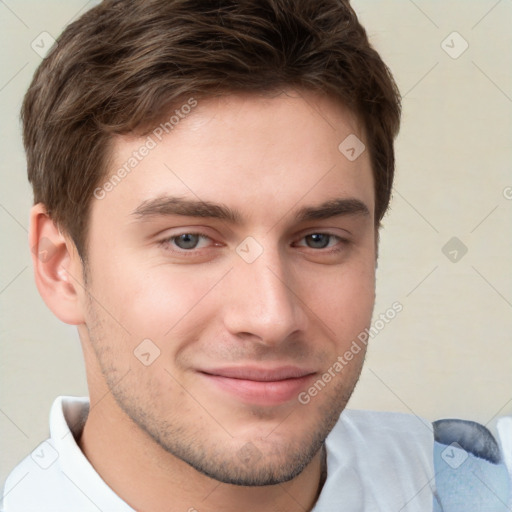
(207, 341)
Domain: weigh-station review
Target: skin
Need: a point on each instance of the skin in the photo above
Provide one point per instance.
(165, 436)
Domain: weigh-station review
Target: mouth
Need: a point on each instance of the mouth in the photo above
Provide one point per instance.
(258, 385)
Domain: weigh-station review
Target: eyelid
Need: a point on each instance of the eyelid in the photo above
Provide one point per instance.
(334, 231)
(169, 239)
(326, 233)
(342, 241)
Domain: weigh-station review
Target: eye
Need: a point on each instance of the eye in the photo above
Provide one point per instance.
(185, 242)
(189, 243)
(322, 240)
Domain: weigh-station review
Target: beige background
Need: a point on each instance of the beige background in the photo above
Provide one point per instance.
(448, 353)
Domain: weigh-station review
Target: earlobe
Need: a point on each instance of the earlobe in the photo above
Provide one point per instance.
(57, 267)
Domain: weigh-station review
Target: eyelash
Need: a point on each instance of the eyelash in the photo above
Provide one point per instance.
(193, 252)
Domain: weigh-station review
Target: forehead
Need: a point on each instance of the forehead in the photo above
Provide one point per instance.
(259, 155)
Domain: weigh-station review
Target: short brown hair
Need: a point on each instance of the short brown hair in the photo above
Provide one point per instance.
(125, 63)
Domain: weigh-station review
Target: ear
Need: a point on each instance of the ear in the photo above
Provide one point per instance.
(57, 267)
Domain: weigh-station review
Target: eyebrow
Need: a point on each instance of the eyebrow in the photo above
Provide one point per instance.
(173, 205)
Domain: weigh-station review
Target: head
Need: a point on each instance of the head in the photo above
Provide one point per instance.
(209, 180)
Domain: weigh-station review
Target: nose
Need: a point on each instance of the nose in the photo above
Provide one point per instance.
(263, 301)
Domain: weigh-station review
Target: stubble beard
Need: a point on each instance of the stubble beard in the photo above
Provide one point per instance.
(276, 459)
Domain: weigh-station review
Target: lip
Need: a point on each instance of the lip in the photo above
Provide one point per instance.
(260, 386)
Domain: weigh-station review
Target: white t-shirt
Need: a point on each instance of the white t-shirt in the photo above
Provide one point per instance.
(376, 461)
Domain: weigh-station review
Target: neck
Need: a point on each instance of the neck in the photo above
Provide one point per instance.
(149, 478)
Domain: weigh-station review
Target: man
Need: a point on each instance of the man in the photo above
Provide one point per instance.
(209, 180)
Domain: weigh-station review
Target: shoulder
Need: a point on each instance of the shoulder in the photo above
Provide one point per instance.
(385, 427)
(382, 458)
(28, 486)
(457, 464)
(56, 476)
(471, 466)
(396, 438)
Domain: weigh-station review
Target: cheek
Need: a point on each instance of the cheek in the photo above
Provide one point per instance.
(344, 299)
(168, 301)
(160, 302)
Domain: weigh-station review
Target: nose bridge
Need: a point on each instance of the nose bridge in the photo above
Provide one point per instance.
(262, 301)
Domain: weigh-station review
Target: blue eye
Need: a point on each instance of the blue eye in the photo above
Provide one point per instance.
(322, 241)
(185, 242)
(319, 240)
(189, 243)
